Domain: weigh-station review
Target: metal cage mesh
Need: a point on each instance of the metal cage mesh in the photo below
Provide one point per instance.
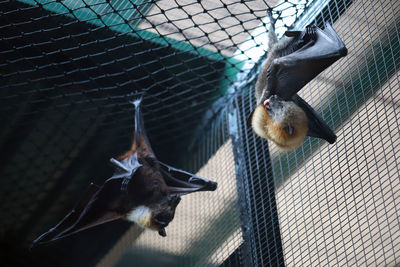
(68, 69)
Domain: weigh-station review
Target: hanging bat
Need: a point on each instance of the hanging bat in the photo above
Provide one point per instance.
(142, 189)
(281, 115)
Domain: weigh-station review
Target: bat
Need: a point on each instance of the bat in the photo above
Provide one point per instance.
(281, 115)
(142, 189)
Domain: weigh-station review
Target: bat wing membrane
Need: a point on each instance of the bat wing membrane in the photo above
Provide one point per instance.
(70, 219)
(288, 74)
(90, 211)
(316, 125)
(181, 182)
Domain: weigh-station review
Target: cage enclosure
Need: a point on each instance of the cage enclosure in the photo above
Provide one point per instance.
(69, 68)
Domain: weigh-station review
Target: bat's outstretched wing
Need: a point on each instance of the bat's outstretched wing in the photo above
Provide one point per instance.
(181, 182)
(100, 204)
(90, 211)
(320, 49)
(316, 125)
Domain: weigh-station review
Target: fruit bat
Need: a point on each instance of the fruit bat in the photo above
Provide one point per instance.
(281, 115)
(142, 189)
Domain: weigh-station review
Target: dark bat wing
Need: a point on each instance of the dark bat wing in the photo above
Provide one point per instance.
(97, 206)
(289, 73)
(94, 208)
(181, 182)
(68, 220)
(316, 125)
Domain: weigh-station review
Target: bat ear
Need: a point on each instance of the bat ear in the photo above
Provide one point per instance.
(180, 182)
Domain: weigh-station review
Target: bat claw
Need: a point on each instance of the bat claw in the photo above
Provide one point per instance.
(124, 185)
(311, 32)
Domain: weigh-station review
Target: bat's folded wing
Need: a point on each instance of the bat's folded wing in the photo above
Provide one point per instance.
(288, 74)
(181, 182)
(316, 125)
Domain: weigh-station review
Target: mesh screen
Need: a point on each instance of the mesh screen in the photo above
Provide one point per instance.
(68, 69)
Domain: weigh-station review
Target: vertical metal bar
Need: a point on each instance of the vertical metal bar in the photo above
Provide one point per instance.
(256, 189)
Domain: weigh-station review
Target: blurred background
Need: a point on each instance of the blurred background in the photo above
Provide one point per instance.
(69, 67)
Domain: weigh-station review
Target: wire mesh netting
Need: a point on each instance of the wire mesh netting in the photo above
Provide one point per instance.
(68, 69)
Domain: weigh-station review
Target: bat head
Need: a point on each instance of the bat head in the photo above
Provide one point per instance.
(163, 213)
(155, 205)
(282, 122)
(155, 216)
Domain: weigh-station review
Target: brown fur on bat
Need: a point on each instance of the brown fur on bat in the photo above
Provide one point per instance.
(281, 115)
(142, 190)
(287, 132)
